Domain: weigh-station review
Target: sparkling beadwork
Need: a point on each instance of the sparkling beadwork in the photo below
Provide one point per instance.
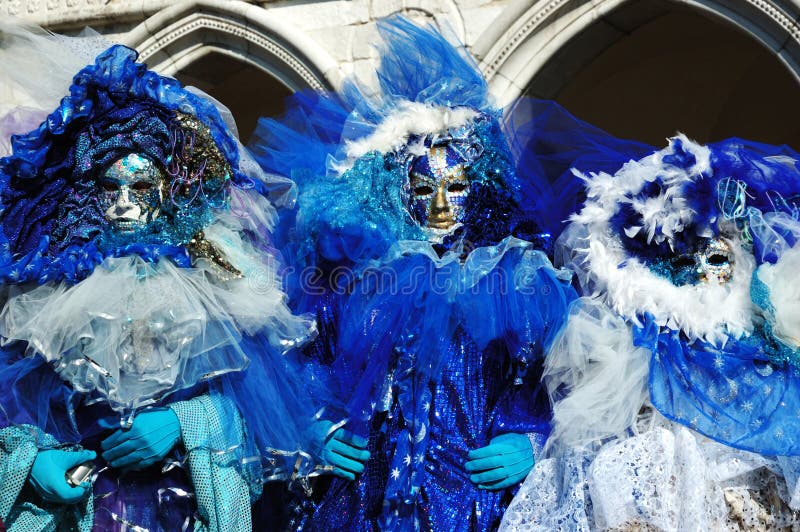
(439, 187)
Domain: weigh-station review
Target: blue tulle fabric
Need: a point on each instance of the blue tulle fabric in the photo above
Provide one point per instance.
(429, 349)
(418, 64)
(743, 392)
(548, 144)
(759, 181)
(734, 394)
(496, 293)
(51, 226)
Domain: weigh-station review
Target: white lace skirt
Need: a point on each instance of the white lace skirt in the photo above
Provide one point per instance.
(666, 477)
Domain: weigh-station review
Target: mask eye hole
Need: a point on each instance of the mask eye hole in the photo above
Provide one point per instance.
(142, 186)
(423, 190)
(683, 261)
(457, 187)
(717, 259)
(109, 186)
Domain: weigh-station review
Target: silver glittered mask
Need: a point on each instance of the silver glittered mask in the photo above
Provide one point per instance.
(439, 188)
(131, 192)
(713, 263)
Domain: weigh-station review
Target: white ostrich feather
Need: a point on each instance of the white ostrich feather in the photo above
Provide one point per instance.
(408, 120)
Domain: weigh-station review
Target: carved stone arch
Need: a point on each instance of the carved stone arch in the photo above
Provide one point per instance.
(530, 32)
(447, 15)
(175, 37)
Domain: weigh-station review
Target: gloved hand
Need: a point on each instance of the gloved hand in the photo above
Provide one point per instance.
(343, 450)
(151, 437)
(506, 461)
(48, 475)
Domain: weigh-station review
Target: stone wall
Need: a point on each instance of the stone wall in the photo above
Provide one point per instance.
(513, 39)
(534, 47)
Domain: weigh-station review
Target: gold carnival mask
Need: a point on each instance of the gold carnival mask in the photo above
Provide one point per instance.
(439, 188)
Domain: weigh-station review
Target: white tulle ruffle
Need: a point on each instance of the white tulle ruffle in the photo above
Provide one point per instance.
(133, 331)
(29, 55)
(596, 377)
(781, 232)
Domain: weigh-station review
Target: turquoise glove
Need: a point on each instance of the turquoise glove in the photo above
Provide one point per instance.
(506, 461)
(342, 449)
(48, 475)
(151, 437)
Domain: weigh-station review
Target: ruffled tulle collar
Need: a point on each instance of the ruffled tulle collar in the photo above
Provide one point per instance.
(468, 266)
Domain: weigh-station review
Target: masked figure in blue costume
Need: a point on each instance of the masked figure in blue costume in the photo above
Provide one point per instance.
(143, 322)
(423, 255)
(675, 382)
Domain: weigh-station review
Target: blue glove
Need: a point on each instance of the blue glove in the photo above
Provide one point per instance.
(343, 450)
(48, 475)
(151, 437)
(506, 461)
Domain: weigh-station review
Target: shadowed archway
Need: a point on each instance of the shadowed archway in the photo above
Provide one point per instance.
(648, 68)
(664, 68)
(247, 91)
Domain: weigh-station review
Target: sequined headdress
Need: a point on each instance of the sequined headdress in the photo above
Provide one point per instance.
(53, 222)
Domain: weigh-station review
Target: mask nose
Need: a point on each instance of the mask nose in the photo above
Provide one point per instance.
(124, 207)
(123, 203)
(440, 207)
(441, 212)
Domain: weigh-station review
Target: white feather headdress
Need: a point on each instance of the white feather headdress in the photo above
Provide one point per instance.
(623, 280)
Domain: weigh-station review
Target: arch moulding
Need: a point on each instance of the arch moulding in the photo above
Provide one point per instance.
(185, 32)
(528, 33)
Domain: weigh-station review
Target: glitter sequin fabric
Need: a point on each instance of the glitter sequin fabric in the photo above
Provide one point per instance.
(18, 504)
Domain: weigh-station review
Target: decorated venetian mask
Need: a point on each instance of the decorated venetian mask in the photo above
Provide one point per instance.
(131, 192)
(439, 188)
(712, 263)
(715, 262)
